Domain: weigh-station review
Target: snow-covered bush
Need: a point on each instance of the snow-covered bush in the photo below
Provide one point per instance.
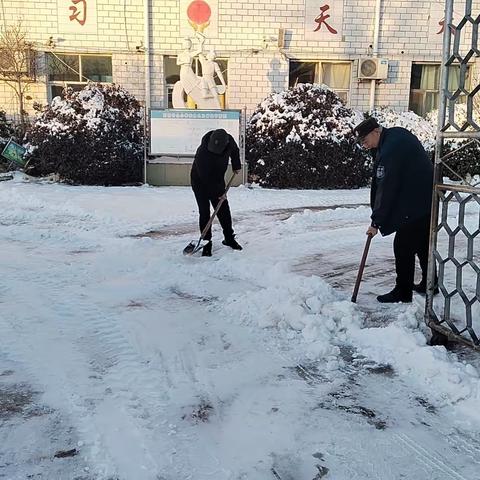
(91, 137)
(422, 128)
(460, 116)
(467, 160)
(302, 138)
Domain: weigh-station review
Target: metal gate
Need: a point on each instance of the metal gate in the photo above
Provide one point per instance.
(455, 224)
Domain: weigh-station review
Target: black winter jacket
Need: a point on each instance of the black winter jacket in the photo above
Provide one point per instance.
(208, 169)
(402, 181)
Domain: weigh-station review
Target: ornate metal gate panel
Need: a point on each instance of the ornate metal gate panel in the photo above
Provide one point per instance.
(455, 225)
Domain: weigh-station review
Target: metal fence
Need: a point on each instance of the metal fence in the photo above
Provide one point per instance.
(455, 226)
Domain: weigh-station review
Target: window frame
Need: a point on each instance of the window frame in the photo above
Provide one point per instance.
(68, 83)
(318, 72)
(436, 91)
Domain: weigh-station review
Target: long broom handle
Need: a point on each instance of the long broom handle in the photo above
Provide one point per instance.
(217, 208)
(360, 269)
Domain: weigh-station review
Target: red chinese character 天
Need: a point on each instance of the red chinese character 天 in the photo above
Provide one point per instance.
(322, 19)
(78, 14)
(442, 24)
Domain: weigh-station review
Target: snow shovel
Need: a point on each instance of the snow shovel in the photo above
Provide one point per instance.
(194, 247)
(360, 269)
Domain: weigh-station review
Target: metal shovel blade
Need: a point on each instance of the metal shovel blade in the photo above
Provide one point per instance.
(194, 247)
(189, 249)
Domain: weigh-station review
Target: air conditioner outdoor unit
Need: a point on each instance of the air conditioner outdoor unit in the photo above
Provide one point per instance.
(372, 68)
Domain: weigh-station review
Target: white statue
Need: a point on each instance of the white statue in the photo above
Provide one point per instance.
(188, 79)
(203, 90)
(209, 69)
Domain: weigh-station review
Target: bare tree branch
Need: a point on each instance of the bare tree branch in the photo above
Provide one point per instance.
(17, 64)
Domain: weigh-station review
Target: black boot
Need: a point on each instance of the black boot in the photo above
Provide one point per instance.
(422, 288)
(395, 296)
(207, 250)
(232, 243)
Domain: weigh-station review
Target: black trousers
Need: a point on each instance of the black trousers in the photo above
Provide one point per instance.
(204, 198)
(411, 240)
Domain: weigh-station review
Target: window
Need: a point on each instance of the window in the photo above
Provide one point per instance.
(302, 72)
(334, 74)
(172, 74)
(425, 84)
(65, 70)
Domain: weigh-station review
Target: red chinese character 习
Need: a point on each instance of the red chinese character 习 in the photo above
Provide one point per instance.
(322, 19)
(78, 14)
(442, 24)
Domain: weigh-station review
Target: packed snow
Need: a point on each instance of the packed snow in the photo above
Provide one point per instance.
(123, 359)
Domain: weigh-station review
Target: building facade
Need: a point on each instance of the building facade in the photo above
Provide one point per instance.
(262, 46)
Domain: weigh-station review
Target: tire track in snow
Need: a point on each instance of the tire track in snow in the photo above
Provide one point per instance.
(68, 322)
(141, 390)
(90, 336)
(471, 447)
(131, 389)
(426, 456)
(43, 326)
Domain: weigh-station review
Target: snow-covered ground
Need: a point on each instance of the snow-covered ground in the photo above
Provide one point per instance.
(129, 361)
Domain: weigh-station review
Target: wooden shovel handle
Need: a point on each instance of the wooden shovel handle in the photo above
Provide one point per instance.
(217, 208)
(360, 269)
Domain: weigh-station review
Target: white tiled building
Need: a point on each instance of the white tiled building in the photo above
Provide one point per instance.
(113, 40)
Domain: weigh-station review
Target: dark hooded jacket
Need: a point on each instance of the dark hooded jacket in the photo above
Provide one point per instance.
(208, 169)
(402, 181)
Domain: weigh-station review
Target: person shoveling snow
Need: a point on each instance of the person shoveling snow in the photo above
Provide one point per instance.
(208, 185)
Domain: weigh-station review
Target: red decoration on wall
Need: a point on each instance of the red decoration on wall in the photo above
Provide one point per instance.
(79, 14)
(322, 19)
(199, 12)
